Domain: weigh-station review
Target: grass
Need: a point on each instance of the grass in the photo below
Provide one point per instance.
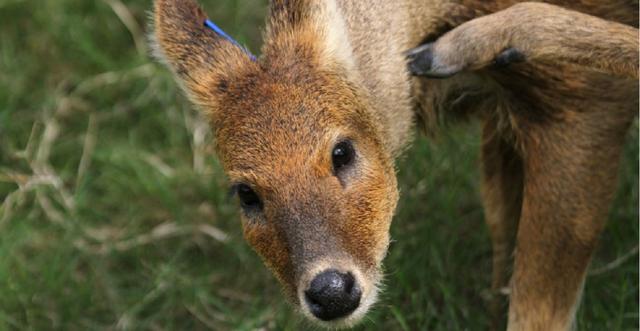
(115, 216)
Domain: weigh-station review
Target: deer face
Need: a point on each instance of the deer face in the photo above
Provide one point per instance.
(304, 156)
(316, 190)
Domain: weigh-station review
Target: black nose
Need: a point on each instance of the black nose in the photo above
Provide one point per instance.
(333, 295)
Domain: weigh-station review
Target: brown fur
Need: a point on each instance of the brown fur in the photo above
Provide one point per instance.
(553, 133)
(553, 129)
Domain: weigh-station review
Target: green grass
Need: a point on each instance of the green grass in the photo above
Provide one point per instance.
(115, 215)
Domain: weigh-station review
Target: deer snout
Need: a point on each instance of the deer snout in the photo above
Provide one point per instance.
(332, 295)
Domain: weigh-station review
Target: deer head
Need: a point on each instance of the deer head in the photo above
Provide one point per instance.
(300, 146)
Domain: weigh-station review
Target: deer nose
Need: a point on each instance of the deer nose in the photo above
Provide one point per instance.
(332, 295)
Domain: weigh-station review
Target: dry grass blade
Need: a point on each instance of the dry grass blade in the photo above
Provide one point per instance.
(28, 150)
(615, 263)
(112, 77)
(211, 324)
(52, 213)
(50, 134)
(199, 130)
(7, 207)
(90, 139)
(126, 319)
(157, 163)
(160, 232)
(124, 14)
(213, 232)
(30, 183)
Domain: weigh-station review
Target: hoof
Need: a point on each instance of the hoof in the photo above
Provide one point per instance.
(422, 63)
(507, 57)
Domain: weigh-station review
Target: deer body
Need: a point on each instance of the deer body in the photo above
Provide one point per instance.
(309, 132)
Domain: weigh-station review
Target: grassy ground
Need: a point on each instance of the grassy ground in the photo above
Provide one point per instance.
(114, 214)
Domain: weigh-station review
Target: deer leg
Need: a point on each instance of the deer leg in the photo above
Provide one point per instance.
(531, 31)
(502, 199)
(570, 169)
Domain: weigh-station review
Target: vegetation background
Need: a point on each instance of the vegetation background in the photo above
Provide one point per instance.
(114, 214)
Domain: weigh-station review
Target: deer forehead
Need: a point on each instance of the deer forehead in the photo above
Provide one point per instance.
(269, 141)
(279, 121)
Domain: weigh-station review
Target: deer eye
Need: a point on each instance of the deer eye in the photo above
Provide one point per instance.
(342, 155)
(249, 200)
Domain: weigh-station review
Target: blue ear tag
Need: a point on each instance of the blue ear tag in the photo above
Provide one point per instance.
(219, 31)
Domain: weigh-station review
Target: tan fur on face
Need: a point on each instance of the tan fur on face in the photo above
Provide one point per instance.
(285, 156)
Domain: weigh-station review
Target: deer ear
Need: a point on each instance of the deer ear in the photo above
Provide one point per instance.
(311, 25)
(202, 60)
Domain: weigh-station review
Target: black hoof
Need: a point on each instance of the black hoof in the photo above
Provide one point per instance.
(507, 57)
(421, 63)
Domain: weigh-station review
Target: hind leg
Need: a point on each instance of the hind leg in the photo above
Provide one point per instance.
(531, 31)
(570, 168)
(502, 199)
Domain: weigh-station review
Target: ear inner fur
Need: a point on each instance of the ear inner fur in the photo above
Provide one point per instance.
(199, 57)
(315, 25)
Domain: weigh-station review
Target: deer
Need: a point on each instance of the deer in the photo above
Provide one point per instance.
(308, 134)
